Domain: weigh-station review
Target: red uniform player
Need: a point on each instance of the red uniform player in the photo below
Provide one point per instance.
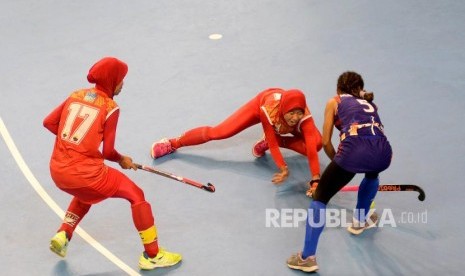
(81, 123)
(286, 121)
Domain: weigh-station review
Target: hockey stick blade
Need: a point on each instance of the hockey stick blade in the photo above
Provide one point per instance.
(209, 187)
(393, 188)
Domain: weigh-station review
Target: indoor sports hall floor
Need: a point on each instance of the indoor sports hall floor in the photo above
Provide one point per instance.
(410, 53)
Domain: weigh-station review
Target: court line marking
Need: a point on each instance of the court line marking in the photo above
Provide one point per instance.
(54, 206)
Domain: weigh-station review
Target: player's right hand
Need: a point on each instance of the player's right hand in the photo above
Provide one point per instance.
(281, 176)
(126, 163)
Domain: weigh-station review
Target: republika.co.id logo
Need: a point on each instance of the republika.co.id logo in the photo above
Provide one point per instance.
(286, 218)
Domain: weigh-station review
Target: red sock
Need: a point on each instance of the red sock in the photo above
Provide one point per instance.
(175, 143)
(145, 224)
(76, 211)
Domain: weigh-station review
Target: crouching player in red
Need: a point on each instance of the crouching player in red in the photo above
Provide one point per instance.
(81, 123)
(280, 112)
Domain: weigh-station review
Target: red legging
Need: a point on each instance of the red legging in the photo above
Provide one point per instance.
(243, 118)
(127, 189)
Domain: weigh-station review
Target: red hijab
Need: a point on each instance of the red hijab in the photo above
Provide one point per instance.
(292, 99)
(107, 73)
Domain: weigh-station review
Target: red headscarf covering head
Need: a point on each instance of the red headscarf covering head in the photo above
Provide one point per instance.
(107, 73)
(292, 99)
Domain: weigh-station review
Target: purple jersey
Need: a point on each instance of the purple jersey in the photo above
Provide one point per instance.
(364, 147)
(357, 117)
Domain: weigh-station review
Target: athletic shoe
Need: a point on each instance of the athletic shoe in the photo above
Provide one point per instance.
(163, 259)
(307, 265)
(358, 227)
(161, 148)
(59, 244)
(260, 147)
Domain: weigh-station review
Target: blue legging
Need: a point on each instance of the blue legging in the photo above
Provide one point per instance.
(333, 179)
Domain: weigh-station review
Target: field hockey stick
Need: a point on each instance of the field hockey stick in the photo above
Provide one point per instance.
(392, 188)
(209, 187)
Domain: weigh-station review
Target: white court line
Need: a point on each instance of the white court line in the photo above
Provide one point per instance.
(53, 205)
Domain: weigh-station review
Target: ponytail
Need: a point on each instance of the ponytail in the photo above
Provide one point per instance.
(368, 96)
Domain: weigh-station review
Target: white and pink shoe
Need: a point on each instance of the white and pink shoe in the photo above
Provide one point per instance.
(161, 148)
(260, 148)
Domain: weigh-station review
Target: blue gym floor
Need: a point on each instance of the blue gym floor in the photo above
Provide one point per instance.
(410, 53)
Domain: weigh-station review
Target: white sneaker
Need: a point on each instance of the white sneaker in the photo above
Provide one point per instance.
(358, 227)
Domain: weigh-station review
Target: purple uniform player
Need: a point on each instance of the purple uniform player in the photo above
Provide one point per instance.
(363, 149)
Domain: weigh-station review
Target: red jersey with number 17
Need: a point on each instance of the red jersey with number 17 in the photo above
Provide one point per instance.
(76, 159)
